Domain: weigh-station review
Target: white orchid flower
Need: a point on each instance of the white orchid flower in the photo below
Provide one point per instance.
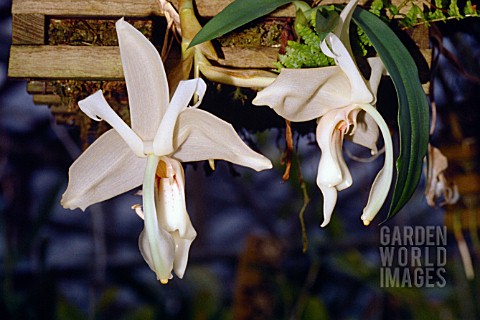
(343, 102)
(437, 185)
(162, 134)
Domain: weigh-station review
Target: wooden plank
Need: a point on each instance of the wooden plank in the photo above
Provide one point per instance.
(48, 99)
(39, 87)
(141, 8)
(28, 28)
(119, 8)
(131, 8)
(65, 62)
(103, 63)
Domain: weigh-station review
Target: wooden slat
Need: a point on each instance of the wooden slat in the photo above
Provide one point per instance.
(28, 29)
(102, 63)
(65, 62)
(39, 87)
(141, 8)
(48, 99)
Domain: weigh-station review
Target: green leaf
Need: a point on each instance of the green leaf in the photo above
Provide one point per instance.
(236, 15)
(325, 22)
(413, 113)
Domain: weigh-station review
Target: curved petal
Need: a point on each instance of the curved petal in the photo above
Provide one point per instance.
(331, 169)
(106, 169)
(378, 69)
(97, 108)
(329, 202)
(333, 47)
(146, 80)
(383, 180)
(343, 27)
(366, 132)
(182, 247)
(165, 247)
(346, 175)
(163, 142)
(306, 94)
(200, 135)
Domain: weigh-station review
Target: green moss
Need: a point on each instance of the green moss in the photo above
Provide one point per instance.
(264, 34)
(90, 31)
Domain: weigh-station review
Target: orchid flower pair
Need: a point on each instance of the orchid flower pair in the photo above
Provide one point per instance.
(163, 133)
(343, 102)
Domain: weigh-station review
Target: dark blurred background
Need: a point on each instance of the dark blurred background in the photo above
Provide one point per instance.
(247, 262)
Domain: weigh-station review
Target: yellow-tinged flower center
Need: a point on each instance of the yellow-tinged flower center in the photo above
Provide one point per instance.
(162, 169)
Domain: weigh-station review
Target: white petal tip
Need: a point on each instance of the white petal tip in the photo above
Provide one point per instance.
(70, 204)
(263, 164)
(268, 165)
(366, 222)
(120, 23)
(324, 224)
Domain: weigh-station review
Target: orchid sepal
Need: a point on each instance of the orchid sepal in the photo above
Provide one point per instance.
(97, 108)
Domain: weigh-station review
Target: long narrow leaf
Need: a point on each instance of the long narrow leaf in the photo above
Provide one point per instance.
(413, 113)
(236, 15)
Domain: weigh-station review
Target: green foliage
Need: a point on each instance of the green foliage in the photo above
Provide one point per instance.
(306, 53)
(311, 28)
(359, 41)
(438, 11)
(413, 113)
(469, 9)
(235, 15)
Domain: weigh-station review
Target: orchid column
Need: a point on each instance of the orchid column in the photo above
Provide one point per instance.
(164, 132)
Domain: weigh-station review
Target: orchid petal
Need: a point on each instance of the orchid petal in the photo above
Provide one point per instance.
(182, 247)
(159, 242)
(106, 169)
(306, 94)
(383, 180)
(162, 144)
(172, 212)
(170, 199)
(165, 247)
(145, 78)
(377, 70)
(346, 175)
(333, 47)
(343, 27)
(366, 134)
(200, 135)
(329, 202)
(330, 141)
(333, 173)
(97, 108)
